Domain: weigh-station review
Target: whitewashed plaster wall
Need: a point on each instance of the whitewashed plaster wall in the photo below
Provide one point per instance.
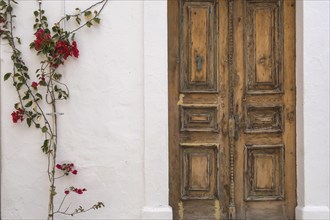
(313, 109)
(114, 126)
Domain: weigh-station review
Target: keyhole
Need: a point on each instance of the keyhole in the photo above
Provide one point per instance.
(199, 62)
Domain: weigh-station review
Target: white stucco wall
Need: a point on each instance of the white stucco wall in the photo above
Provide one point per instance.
(114, 126)
(313, 109)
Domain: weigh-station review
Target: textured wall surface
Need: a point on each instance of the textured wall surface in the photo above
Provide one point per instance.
(313, 109)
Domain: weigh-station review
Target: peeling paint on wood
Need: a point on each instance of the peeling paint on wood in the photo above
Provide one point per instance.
(180, 102)
(217, 209)
(180, 210)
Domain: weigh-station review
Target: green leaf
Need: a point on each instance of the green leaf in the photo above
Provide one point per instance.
(18, 40)
(19, 85)
(32, 45)
(42, 83)
(97, 20)
(2, 3)
(28, 121)
(28, 104)
(57, 76)
(67, 17)
(26, 75)
(47, 31)
(21, 78)
(72, 37)
(88, 13)
(7, 75)
(36, 13)
(27, 96)
(39, 96)
(37, 125)
(17, 105)
(78, 20)
(89, 24)
(44, 129)
(45, 146)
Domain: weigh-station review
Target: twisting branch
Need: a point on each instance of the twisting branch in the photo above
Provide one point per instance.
(88, 23)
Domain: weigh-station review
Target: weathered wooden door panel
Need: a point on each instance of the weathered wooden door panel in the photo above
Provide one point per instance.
(264, 100)
(198, 98)
(232, 109)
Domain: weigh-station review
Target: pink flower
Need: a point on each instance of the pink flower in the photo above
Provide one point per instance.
(41, 39)
(67, 168)
(75, 50)
(67, 191)
(34, 85)
(63, 49)
(77, 190)
(17, 115)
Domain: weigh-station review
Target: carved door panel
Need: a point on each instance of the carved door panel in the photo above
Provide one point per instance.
(232, 109)
(198, 110)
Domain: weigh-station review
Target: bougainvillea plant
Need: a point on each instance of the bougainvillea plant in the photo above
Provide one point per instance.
(41, 91)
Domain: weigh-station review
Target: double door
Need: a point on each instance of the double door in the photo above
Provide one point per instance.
(232, 109)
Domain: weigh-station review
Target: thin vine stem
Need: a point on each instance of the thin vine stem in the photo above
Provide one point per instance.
(97, 14)
(82, 12)
(13, 45)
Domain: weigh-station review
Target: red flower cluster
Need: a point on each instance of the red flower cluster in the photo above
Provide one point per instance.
(42, 39)
(76, 190)
(34, 85)
(64, 49)
(67, 168)
(61, 51)
(17, 115)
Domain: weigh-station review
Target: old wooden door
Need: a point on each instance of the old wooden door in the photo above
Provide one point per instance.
(232, 109)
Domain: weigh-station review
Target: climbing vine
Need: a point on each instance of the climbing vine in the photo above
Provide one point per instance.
(39, 93)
